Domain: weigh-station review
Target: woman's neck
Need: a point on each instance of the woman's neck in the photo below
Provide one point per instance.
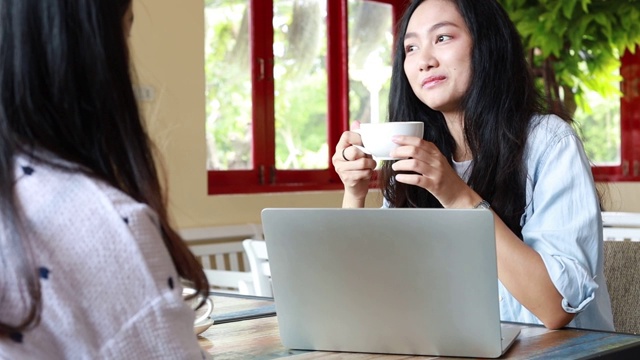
(455, 123)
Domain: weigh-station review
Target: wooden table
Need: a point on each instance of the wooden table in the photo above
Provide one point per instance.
(252, 333)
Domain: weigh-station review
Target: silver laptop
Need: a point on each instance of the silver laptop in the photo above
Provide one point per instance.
(393, 281)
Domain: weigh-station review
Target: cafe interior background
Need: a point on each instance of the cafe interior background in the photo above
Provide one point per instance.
(169, 59)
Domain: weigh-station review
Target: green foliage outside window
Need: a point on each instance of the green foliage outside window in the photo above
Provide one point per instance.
(228, 85)
(300, 80)
(576, 46)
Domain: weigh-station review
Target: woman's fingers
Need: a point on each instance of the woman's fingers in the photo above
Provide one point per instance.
(424, 165)
(412, 147)
(352, 165)
(352, 169)
(352, 153)
(345, 151)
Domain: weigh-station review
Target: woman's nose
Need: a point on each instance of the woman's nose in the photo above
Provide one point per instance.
(427, 60)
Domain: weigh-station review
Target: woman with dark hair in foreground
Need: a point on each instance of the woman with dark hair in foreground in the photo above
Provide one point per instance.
(91, 267)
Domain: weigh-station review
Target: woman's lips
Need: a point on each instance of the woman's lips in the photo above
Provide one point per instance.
(432, 81)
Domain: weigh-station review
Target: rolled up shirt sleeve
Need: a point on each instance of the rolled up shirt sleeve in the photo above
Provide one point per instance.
(562, 221)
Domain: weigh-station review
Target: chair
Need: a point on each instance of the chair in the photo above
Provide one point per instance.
(621, 233)
(622, 271)
(256, 251)
(620, 225)
(225, 274)
(225, 263)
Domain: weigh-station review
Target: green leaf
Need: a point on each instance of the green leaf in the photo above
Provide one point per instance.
(575, 39)
(553, 14)
(550, 44)
(624, 16)
(606, 30)
(526, 28)
(567, 8)
(581, 29)
(602, 19)
(624, 40)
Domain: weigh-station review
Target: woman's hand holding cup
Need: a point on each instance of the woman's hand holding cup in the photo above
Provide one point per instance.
(354, 167)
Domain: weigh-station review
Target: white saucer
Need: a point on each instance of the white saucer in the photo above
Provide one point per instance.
(199, 328)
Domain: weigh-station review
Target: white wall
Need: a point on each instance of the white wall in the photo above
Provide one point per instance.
(167, 48)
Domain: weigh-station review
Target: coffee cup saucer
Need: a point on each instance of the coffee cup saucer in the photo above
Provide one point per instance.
(203, 325)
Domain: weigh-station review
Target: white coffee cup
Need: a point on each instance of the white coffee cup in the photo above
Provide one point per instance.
(376, 137)
(202, 313)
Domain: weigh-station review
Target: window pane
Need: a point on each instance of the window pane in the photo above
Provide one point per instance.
(228, 85)
(300, 81)
(370, 48)
(600, 128)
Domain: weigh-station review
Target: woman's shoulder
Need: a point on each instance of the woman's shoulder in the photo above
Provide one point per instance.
(551, 136)
(548, 130)
(55, 193)
(48, 175)
(549, 125)
(44, 183)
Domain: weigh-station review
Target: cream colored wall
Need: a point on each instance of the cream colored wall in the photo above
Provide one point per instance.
(621, 196)
(167, 50)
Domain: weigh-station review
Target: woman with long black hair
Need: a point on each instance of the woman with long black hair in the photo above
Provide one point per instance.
(460, 68)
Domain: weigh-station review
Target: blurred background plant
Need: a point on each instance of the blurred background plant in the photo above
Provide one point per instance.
(575, 47)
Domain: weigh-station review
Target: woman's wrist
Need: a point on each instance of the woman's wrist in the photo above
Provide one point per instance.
(351, 201)
(466, 199)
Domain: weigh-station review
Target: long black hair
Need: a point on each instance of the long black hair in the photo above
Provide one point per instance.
(497, 109)
(66, 89)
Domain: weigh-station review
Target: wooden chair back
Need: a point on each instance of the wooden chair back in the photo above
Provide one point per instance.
(222, 255)
(256, 251)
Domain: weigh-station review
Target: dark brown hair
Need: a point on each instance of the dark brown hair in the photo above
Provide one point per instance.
(66, 88)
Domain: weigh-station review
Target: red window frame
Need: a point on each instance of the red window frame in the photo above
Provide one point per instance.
(629, 169)
(264, 177)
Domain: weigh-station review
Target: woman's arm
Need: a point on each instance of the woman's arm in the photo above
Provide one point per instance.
(523, 272)
(551, 272)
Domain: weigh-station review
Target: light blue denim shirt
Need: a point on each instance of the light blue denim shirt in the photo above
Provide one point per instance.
(563, 223)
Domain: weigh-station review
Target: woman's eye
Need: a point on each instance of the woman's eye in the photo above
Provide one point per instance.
(442, 38)
(409, 48)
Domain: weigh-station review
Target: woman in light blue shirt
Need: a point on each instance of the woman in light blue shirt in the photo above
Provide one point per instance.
(460, 68)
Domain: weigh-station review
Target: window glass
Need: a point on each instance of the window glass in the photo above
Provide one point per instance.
(228, 85)
(300, 81)
(370, 48)
(599, 124)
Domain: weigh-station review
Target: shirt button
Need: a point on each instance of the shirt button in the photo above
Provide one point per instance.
(500, 297)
